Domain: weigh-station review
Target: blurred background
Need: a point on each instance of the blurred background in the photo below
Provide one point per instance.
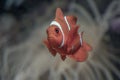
(23, 25)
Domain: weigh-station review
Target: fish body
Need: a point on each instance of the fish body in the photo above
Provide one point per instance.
(63, 38)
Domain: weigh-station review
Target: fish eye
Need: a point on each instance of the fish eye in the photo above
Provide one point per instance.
(57, 30)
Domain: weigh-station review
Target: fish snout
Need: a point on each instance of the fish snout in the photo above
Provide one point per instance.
(49, 31)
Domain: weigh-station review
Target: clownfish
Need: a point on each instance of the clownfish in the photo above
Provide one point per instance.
(63, 38)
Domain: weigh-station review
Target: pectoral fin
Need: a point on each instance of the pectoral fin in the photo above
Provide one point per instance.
(53, 52)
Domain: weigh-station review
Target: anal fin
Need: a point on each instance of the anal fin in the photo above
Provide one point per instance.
(63, 57)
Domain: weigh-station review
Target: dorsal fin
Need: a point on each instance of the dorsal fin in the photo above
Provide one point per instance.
(59, 13)
(72, 20)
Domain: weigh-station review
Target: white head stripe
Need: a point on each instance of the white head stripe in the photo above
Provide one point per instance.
(80, 39)
(67, 22)
(59, 26)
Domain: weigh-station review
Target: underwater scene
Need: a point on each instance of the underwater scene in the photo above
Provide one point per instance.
(25, 24)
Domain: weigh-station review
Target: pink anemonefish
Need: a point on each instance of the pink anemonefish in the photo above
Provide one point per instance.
(63, 38)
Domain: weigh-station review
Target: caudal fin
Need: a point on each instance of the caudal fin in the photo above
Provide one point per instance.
(86, 46)
(80, 55)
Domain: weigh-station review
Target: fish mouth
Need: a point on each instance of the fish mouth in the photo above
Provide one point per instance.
(50, 37)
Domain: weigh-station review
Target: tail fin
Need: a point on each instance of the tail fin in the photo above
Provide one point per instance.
(87, 46)
(82, 53)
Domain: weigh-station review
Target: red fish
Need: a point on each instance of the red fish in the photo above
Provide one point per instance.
(63, 38)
